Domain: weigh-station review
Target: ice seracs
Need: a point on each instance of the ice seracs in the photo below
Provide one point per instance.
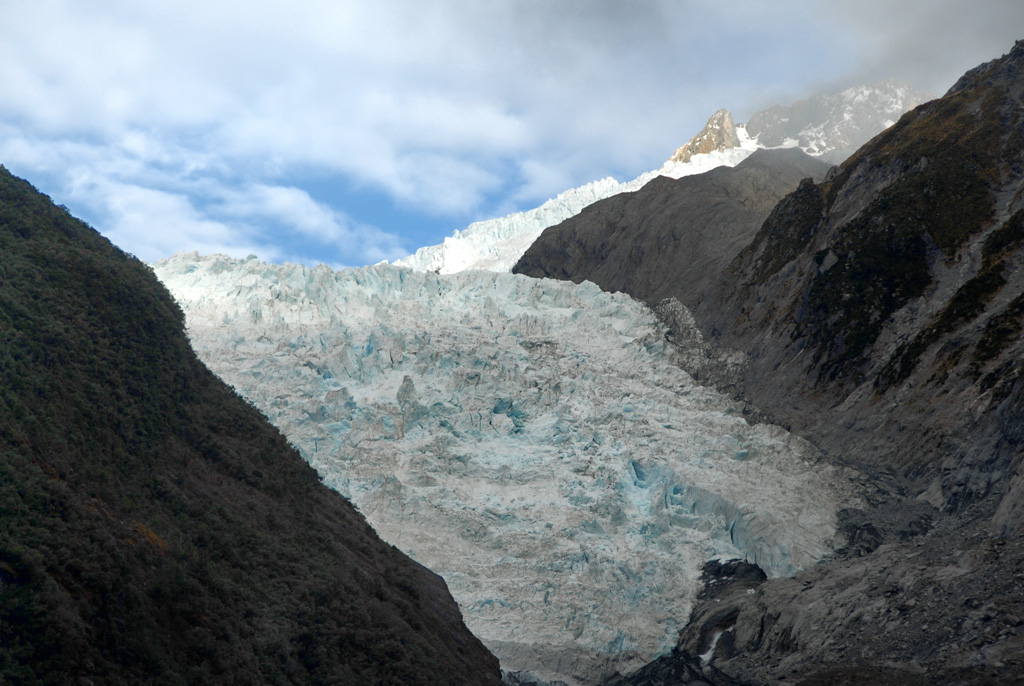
(530, 440)
(497, 244)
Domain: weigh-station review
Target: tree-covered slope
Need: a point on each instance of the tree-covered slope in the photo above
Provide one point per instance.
(154, 528)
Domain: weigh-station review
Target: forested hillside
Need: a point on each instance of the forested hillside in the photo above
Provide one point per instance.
(154, 528)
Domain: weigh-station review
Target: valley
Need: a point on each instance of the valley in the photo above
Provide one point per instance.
(752, 417)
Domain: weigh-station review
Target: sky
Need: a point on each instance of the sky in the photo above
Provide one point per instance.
(349, 132)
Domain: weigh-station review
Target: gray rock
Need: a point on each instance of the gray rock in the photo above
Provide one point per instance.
(673, 237)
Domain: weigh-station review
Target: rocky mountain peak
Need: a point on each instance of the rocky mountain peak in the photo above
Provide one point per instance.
(1000, 71)
(718, 134)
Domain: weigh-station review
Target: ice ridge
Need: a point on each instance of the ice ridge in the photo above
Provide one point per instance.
(497, 244)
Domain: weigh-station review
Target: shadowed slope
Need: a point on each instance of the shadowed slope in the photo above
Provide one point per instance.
(882, 313)
(673, 237)
(154, 528)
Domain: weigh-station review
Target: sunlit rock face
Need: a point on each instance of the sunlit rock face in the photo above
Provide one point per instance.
(530, 440)
(718, 134)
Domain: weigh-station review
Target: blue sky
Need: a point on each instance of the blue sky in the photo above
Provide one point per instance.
(351, 132)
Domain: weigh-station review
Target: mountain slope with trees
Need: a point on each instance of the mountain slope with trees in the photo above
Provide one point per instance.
(154, 528)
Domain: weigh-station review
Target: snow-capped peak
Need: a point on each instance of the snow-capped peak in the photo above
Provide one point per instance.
(836, 125)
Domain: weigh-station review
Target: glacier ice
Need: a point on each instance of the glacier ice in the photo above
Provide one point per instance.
(530, 440)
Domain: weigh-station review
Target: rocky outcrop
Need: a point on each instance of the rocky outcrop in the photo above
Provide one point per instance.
(936, 607)
(718, 134)
(671, 238)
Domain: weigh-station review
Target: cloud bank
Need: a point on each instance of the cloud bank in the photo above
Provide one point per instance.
(195, 125)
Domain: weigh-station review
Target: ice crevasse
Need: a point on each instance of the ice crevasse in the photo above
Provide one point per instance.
(532, 441)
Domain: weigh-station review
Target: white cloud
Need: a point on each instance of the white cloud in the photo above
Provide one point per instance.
(450, 108)
(287, 209)
(157, 223)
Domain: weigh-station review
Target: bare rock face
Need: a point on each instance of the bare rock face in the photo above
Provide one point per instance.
(718, 134)
(672, 237)
(942, 607)
(882, 314)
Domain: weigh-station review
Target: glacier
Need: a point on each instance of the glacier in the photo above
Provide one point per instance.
(535, 442)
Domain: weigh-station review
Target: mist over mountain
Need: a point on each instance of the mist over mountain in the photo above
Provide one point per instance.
(834, 126)
(154, 528)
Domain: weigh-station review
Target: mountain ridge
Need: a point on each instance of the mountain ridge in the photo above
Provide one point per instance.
(497, 244)
(713, 215)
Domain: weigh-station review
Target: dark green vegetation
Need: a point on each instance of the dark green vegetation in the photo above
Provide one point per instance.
(800, 213)
(967, 303)
(154, 528)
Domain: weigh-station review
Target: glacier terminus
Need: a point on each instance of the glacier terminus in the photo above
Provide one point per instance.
(533, 441)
